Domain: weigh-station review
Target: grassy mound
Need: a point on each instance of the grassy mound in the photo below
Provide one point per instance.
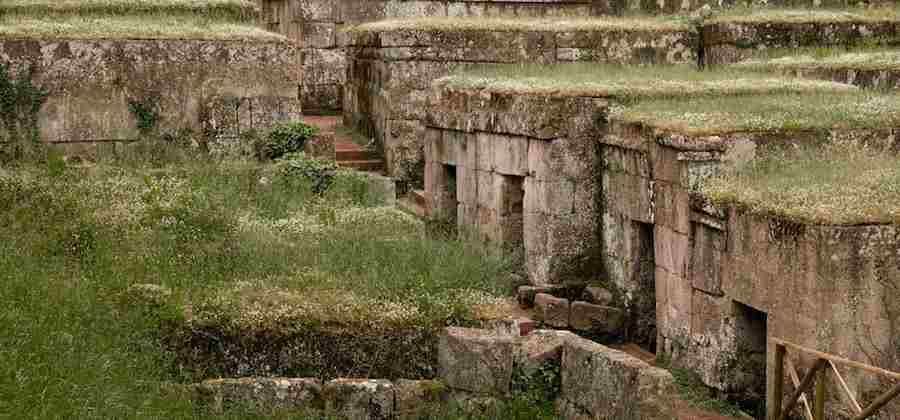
(132, 19)
(226, 247)
(729, 114)
(622, 82)
(836, 184)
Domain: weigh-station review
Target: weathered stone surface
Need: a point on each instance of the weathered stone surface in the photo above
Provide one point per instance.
(729, 41)
(552, 311)
(596, 318)
(413, 398)
(476, 360)
(196, 85)
(362, 399)
(608, 384)
(541, 347)
(597, 295)
(267, 394)
(526, 294)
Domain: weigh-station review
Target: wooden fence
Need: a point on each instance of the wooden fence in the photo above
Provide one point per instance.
(778, 408)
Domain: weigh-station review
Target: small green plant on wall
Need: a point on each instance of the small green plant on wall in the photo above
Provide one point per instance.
(20, 103)
(146, 114)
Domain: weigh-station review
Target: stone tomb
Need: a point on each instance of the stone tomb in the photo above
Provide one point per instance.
(391, 64)
(726, 279)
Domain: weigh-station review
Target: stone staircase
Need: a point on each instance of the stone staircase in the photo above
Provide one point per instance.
(347, 152)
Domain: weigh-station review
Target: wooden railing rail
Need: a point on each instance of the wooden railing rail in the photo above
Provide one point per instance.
(818, 374)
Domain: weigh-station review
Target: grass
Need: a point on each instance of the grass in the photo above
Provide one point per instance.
(812, 15)
(825, 58)
(229, 8)
(624, 82)
(730, 114)
(839, 183)
(130, 27)
(132, 19)
(650, 23)
(74, 240)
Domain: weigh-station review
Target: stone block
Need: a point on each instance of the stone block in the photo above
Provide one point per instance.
(526, 294)
(484, 151)
(671, 250)
(510, 155)
(671, 204)
(609, 384)
(324, 67)
(315, 10)
(269, 394)
(413, 399)
(596, 318)
(318, 35)
(539, 348)
(707, 246)
(551, 310)
(485, 192)
(451, 149)
(360, 398)
(539, 165)
(597, 295)
(466, 186)
(666, 166)
(476, 360)
(678, 305)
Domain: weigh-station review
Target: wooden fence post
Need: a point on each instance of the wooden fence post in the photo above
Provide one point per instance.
(819, 408)
(776, 390)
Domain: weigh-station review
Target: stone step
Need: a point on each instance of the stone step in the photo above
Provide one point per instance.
(866, 69)
(371, 165)
(347, 155)
(735, 36)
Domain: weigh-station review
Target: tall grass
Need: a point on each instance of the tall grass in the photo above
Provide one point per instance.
(73, 240)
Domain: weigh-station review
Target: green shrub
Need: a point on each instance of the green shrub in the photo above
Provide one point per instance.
(319, 172)
(283, 139)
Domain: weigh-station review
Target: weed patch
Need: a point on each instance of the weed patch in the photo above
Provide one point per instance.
(113, 274)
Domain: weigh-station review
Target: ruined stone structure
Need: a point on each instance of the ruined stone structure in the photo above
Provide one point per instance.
(318, 24)
(95, 87)
(589, 196)
(391, 65)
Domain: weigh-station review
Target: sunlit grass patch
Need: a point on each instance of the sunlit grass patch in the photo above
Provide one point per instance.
(624, 82)
(222, 8)
(833, 184)
(727, 114)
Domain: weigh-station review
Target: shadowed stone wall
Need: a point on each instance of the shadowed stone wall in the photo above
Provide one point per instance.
(219, 89)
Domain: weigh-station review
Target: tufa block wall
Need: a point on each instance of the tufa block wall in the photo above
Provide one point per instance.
(518, 170)
(727, 279)
(218, 88)
(317, 25)
(390, 72)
